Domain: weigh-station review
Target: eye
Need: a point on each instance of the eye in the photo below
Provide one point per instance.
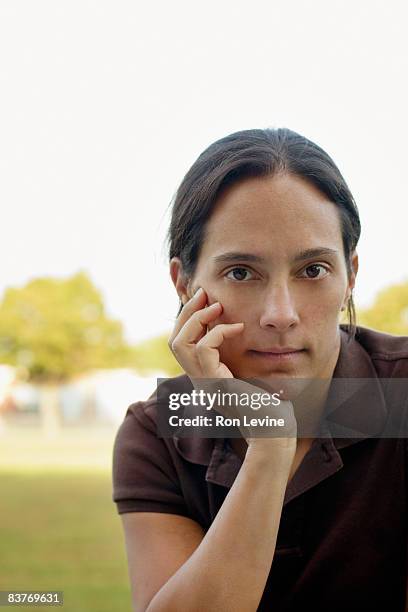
(238, 272)
(315, 271)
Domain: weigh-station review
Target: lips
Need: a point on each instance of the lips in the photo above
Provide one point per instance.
(278, 355)
(277, 350)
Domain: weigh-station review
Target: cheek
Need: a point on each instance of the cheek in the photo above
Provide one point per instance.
(323, 306)
(233, 311)
(237, 302)
(322, 314)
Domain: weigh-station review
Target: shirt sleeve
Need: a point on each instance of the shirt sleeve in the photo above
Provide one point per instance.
(144, 477)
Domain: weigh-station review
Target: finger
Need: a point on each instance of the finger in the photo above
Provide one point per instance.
(184, 344)
(196, 302)
(196, 327)
(207, 348)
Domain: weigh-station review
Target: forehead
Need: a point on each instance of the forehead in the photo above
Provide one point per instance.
(278, 214)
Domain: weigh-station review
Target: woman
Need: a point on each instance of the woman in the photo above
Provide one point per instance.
(263, 256)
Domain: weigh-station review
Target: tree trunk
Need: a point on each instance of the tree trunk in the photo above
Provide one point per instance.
(49, 410)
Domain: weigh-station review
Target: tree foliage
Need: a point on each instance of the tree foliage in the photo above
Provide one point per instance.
(154, 354)
(57, 328)
(389, 312)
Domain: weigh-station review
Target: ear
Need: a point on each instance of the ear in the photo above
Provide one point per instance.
(179, 279)
(352, 278)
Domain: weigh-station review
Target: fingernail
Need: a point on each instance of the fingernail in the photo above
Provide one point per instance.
(215, 304)
(198, 293)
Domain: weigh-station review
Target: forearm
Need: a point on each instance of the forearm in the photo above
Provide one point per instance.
(230, 567)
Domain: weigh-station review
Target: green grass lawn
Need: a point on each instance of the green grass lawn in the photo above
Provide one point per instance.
(59, 529)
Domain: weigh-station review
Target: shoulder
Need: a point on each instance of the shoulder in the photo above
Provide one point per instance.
(381, 345)
(389, 353)
(146, 467)
(143, 429)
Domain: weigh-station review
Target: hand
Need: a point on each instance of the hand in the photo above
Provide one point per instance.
(195, 349)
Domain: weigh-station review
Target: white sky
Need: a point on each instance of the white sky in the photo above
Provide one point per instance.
(105, 105)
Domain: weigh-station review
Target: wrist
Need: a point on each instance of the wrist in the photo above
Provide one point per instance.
(272, 451)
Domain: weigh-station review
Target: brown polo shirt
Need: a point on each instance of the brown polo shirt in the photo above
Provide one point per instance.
(343, 536)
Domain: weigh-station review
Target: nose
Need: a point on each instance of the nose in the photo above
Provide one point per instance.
(279, 309)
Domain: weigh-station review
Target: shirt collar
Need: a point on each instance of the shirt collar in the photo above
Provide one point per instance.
(359, 404)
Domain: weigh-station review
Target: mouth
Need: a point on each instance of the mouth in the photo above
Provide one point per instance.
(278, 354)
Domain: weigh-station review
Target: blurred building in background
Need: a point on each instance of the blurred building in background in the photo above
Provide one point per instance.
(98, 399)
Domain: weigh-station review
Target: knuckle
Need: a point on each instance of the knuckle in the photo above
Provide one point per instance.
(201, 345)
(198, 315)
(175, 345)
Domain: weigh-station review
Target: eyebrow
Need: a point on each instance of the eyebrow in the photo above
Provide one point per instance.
(250, 257)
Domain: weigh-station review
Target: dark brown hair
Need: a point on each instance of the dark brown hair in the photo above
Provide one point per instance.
(255, 153)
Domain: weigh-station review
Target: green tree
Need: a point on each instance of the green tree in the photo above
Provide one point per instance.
(389, 312)
(58, 328)
(154, 354)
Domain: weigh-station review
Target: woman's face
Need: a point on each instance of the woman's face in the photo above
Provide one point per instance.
(273, 256)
